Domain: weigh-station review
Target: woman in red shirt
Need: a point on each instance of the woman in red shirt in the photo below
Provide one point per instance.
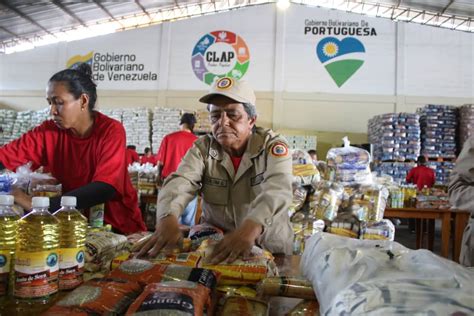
(83, 149)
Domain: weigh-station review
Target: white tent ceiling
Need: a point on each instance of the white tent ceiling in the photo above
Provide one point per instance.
(27, 24)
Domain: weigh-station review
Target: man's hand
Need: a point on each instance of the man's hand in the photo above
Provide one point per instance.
(237, 243)
(22, 199)
(166, 236)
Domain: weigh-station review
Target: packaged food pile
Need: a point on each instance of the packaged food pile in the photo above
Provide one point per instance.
(115, 113)
(302, 142)
(101, 248)
(433, 198)
(143, 177)
(26, 120)
(438, 130)
(374, 277)
(304, 171)
(136, 122)
(466, 123)
(165, 121)
(349, 165)
(395, 136)
(203, 124)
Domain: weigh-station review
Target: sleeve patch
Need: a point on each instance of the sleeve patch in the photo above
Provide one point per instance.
(279, 150)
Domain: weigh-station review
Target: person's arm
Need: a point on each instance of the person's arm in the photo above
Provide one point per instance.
(275, 197)
(159, 178)
(88, 195)
(461, 185)
(178, 190)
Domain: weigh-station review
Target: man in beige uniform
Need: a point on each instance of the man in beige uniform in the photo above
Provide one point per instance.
(243, 174)
(461, 196)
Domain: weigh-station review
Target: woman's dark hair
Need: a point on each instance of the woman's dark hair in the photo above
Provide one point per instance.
(78, 81)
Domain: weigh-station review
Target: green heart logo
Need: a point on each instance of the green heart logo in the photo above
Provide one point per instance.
(329, 51)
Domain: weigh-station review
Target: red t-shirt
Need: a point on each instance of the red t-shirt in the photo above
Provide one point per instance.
(172, 149)
(236, 162)
(421, 176)
(145, 159)
(76, 162)
(131, 156)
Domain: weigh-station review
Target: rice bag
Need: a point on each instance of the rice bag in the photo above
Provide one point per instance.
(170, 298)
(286, 286)
(101, 248)
(97, 297)
(244, 306)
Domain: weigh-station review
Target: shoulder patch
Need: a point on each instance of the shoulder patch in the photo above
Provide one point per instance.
(279, 149)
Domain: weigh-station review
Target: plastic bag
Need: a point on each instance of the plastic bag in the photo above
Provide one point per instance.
(27, 180)
(368, 277)
(5, 184)
(383, 230)
(244, 306)
(349, 164)
(346, 225)
(367, 203)
(201, 232)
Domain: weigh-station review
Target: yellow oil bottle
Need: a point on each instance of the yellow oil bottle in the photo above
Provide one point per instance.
(8, 228)
(72, 239)
(37, 258)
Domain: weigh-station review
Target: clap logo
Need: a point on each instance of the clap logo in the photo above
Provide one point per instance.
(332, 53)
(74, 61)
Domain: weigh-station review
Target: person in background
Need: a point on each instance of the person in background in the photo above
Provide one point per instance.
(131, 155)
(148, 157)
(243, 174)
(314, 156)
(461, 196)
(82, 148)
(172, 150)
(421, 175)
(320, 165)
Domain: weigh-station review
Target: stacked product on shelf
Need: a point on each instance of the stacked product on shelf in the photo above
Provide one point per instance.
(165, 121)
(466, 123)
(137, 126)
(116, 114)
(396, 143)
(304, 142)
(438, 131)
(438, 138)
(7, 120)
(203, 124)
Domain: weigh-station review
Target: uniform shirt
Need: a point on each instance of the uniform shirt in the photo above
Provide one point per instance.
(260, 189)
(146, 159)
(421, 176)
(131, 156)
(75, 162)
(172, 149)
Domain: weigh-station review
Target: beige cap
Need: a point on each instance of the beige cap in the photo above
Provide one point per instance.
(237, 90)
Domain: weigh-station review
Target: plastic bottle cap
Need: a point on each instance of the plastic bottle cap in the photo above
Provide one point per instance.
(7, 199)
(68, 201)
(40, 201)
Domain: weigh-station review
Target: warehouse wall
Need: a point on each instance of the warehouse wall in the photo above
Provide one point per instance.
(404, 66)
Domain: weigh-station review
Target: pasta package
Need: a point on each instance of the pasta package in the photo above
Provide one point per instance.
(170, 298)
(242, 271)
(204, 277)
(383, 230)
(327, 198)
(97, 297)
(188, 259)
(141, 271)
(286, 286)
(305, 308)
(244, 306)
(346, 225)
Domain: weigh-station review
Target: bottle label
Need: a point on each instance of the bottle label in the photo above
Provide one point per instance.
(96, 215)
(36, 274)
(71, 267)
(5, 263)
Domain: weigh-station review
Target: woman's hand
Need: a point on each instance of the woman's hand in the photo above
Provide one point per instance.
(236, 244)
(22, 199)
(166, 236)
